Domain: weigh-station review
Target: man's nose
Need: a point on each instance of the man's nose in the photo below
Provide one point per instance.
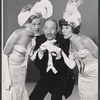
(48, 31)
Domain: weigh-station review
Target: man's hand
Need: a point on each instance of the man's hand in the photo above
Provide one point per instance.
(42, 48)
(44, 45)
(48, 42)
(51, 48)
(49, 45)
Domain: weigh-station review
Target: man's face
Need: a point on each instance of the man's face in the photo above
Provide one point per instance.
(49, 29)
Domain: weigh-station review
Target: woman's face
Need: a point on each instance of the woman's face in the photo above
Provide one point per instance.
(35, 25)
(67, 31)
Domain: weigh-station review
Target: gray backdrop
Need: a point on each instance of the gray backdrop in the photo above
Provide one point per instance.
(88, 10)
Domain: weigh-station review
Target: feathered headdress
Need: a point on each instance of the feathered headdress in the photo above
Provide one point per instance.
(44, 7)
(71, 14)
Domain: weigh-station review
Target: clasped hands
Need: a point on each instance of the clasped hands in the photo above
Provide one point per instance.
(49, 45)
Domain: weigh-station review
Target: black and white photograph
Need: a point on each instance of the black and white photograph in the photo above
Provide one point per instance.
(49, 50)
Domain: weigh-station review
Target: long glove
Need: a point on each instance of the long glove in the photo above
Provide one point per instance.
(7, 78)
(69, 62)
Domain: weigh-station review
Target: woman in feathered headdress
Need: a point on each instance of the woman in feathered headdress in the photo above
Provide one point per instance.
(19, 46)
(82, 50)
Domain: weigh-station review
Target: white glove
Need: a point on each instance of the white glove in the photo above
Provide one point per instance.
(7, 82)
(7, 78)
(54, 50)
(51, 48)
(69, 62)
(71, 57)
(48, 42)
(42, 47)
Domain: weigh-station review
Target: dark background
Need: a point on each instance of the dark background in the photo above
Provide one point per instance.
(88, 10)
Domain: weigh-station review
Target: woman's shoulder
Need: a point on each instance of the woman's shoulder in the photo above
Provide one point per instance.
(84, 39)
(20, 31)
(15, 34)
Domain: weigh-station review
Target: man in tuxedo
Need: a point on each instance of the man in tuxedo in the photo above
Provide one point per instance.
(55, 76)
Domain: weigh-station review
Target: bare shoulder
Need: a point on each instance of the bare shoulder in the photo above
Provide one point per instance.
(17, 33)
(85, 39)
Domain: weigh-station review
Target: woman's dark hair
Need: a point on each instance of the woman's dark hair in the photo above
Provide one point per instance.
(63, 22)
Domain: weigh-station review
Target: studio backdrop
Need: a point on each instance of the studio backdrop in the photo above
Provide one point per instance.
(88, 10)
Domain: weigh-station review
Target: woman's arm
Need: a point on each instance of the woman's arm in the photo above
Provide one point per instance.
(12, 40)
(91, 46)
(70, 63)
(8, 47)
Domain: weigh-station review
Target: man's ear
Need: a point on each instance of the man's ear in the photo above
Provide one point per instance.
(57, 30)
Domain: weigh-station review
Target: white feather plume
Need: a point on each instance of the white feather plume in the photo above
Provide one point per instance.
(71, 14)
(44, 7)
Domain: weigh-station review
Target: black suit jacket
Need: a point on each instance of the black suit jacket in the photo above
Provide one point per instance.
(62, 68)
